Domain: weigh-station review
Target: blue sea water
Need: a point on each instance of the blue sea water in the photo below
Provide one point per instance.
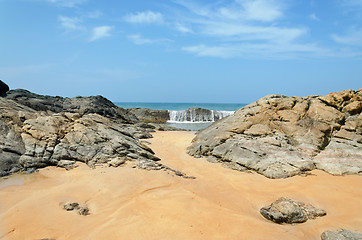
(182, 106)
(223, 108)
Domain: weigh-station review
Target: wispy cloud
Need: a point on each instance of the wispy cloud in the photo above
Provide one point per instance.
(256, 10)
(67, 3)
(353, 37)
(183, 28)
(94, 14)
(252, 50)
(246, 28)
(313, 17)
(70, 23)
(100, 32)
(147, 17)
(140, 40)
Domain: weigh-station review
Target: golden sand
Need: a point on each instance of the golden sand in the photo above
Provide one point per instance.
(128, 203)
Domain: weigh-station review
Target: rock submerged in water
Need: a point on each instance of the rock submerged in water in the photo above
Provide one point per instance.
(150, 115)
(341, 235)
(285, 210)
(279, 136)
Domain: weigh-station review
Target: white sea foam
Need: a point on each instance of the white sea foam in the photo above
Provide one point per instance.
(194, 115)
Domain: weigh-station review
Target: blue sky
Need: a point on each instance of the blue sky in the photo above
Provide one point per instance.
(227, 51)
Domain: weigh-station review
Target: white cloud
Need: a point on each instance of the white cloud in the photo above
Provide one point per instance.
(94, 14)
(67, 3)
(242, 32)
(182, 28)
(261, 10)
(246, 28)
(353, 37)
(147, 17)
(252, 50)
(69, 23)
(255, 10)
(100, 32)
(313, 17)
(140, 40)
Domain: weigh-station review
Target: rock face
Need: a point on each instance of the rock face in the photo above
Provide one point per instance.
(341, 235)
(150, 115)
(285, 210)
(38, 131)
(81, 105)
(3, 88)
(280, 136)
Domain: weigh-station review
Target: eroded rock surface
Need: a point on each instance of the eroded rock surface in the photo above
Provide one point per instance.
(38, 131)
(285, 210)
(341, 235)
(279, 136)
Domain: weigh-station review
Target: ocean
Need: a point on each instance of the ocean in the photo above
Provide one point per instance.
(182, 117)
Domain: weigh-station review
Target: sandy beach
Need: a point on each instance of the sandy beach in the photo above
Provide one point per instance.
(130, 203)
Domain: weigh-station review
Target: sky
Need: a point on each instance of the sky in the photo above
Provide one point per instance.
(222, 51)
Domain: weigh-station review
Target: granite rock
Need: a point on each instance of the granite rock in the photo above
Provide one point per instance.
(341, 235)
(279, 136)
(285, 210)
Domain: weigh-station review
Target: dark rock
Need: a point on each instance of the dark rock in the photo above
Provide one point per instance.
(279, 136)
(81, 105)
(74, 206)
(4, 88)
(71, 206)
(341, 235)
(285, 210)
(150, 115)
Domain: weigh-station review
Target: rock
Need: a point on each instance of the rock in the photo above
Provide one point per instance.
(71, 206)
(341, 235)
(81, 105)
(279, 136)
(116, 162)
(150, 115)
(60, 134)
(82, 210)
(285, 210)
(4, 88)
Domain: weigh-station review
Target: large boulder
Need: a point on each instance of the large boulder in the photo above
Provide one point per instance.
(341, 235)
(3, 89)
(64, 133)
(279, 136)
(81, 105)
(285, 210)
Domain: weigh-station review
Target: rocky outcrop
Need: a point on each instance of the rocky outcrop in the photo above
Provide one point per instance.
(81, 105)
(3, 89)
(280, 136)
(341, 235)
(285, 210)
(59, 132)
(150, 115)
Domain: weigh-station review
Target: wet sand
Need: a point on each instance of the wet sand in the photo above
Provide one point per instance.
(128, 203)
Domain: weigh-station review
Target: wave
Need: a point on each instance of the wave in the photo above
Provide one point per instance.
(197, 115)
